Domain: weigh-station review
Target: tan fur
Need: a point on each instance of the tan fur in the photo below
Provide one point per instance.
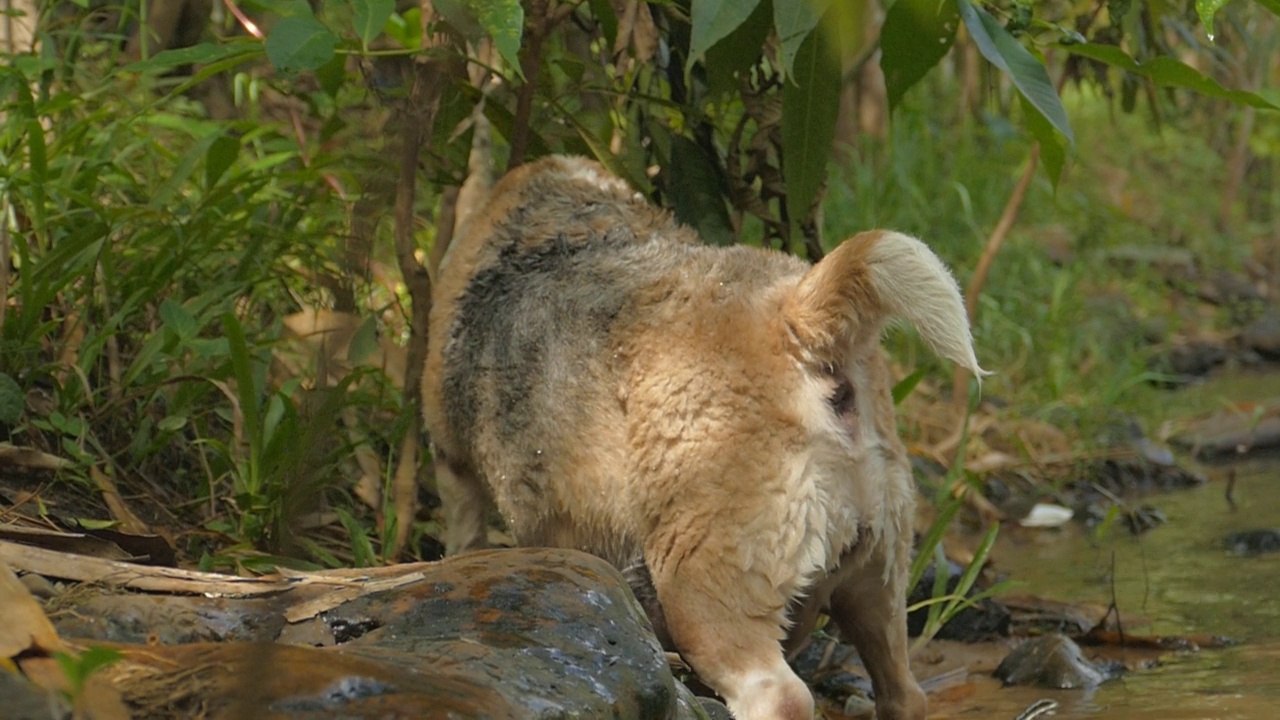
(701, 436)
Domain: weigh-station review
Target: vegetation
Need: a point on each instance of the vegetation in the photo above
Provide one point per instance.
(188, 201)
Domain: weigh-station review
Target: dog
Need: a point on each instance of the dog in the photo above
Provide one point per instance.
(719, 418)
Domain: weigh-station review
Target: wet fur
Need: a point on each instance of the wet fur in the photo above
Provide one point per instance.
(715, 421)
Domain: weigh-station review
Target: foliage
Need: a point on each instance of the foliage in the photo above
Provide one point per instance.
(158, 243)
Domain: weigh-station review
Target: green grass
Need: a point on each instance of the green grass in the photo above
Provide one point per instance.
(1073, 336)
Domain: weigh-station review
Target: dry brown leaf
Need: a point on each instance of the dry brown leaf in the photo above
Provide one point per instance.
(71, 542)
(635, 30)
(25, 627)
(30, 458)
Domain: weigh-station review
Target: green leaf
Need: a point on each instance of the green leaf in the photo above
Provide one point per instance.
(794, 20)
(608, 19)
(904, 386)
(1206, 9)
(1272, 5)
(178, 319)
(371, 18)
(916, 35)
(809, 109)
(712, 21)
(739, 51)
(220, 156)
(697, 192)
(1028, 74)
(364, 341)
(12, 400)
(462, 16)
(37, 157)
(1053, 153)
(601, 151)
(201, 54)
(1169, 72)
(77, 668)
(182, 171)
(501, 20)
(406, 28)
(172, 423)
(504, 21)
(300, 43)
(361, 547)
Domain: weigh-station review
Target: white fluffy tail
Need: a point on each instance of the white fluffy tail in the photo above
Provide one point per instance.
(874, 276)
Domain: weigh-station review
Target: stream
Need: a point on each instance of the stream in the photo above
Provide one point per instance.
(1177, 579)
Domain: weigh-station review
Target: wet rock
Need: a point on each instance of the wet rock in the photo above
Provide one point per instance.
(170, 619)
(1250, 543)
(1231, 434)
(24, 701)
(984, 620)
(1051, 661)
(1119, 476)
(516, 633)
(833, 670)
(1187, 361)
(1263, 334)
(711, 709)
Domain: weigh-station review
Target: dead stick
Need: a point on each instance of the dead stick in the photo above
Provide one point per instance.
(418, 118)
(530, 60)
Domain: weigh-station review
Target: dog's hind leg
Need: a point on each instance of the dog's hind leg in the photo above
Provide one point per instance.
(466, 504)
(869, 609)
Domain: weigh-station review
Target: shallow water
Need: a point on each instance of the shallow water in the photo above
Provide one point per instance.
(1174, 580)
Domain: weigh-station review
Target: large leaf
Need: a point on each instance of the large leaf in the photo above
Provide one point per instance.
(1272, 5)
(501, 20)
(697, 192)
(1053, 153)
(504, 21)
(1028, 74)
(713, 20)
(201, 54)
(371, 17)
(1206, 9)
(809, 109)
(916, 35)
(738, 51)
(300, 43)
(12, 400)
(1169, 72)
(794, 20)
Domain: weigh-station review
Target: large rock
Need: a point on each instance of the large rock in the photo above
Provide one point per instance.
(1263, 334)
(495, 634)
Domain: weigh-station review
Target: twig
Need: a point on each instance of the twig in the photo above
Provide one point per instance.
(418, 120)
(1231, 489)
(538, 24)
(249, 25)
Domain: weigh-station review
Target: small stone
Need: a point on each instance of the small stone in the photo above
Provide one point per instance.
(1263, 334)
(983, 620)
(1050, 661)
(38, 586)
(1250, 543)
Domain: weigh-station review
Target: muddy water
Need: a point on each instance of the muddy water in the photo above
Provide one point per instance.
(1174, 580)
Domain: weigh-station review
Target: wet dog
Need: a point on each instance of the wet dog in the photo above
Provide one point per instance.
(719, 418)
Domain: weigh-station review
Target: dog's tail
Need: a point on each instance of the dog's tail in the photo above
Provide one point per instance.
(872, 277)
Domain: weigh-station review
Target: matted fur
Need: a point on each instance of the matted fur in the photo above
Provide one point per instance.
(716, 421)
